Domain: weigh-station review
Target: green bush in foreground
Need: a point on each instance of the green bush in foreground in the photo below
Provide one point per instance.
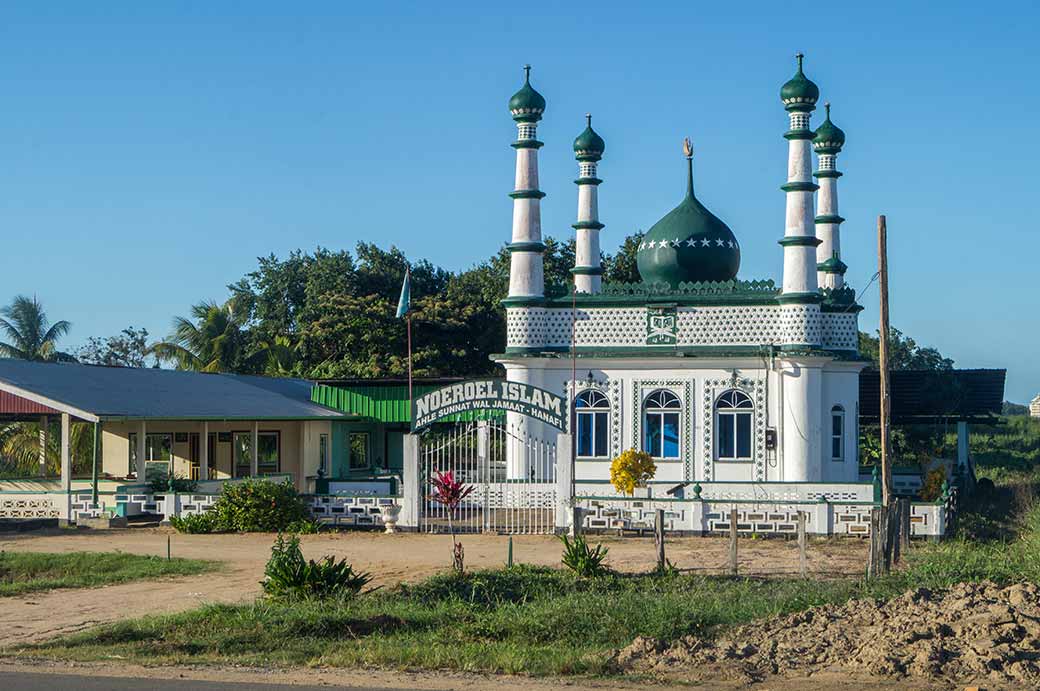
(289, 576)
(582, 559)
(193, 523)
(252, 506)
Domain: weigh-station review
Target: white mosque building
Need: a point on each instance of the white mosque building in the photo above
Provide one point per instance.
(720, 379)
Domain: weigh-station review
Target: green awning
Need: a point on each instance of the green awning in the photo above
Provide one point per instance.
(386, 403)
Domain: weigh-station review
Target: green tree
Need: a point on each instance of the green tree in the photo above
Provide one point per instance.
(904, 353)
(213, 340)
(621, 267)
(128, 348)
(30, 335)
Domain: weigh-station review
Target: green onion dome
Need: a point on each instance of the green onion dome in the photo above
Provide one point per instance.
(527, 105)
(589, 146)
(690, 244)
(829, 137)
(799, 93)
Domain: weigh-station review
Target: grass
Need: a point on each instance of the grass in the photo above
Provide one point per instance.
(26, 572)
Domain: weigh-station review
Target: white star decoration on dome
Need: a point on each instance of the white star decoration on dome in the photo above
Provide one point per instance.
(690, 242)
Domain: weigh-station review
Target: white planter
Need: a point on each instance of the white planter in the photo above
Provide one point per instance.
(390, 513)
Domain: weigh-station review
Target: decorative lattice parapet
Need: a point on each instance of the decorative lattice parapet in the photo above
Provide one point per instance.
(349, 510)
(30, 505)
(840, 330)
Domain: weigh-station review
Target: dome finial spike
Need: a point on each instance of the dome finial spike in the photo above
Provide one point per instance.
(688, 152)
(527, 74)
(588, 119)
(799, 56)
(827, 107)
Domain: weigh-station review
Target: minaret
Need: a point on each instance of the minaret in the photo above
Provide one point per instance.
(830, 269)
(799, 96)
(588, 149)
(526, 275)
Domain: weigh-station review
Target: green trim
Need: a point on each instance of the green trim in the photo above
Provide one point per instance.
(800, 241)
(524, 301)
(799, 134)
(587, 271)
(830, 218)
(827, 174)
(800, 298)
(832, 266)
(588, 225)
(527, 194)
(525, 246)
(799, 187)
(385, 404)
(587, 181)
(527, 144)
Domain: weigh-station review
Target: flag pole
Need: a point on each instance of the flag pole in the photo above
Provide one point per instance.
(409, 323)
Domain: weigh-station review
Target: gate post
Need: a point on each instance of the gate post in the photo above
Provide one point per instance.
(412, 492)
(564, 469)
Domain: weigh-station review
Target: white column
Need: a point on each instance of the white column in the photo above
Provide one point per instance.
(254, 469)
(204, 452)
(799, 228)
(587, 268)
(66, 453)
(962, 447)
(42, 470)
(802, 421)
(564, 514)
(411, 492)
(142, 432)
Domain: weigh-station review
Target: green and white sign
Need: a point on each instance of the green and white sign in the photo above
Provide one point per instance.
(489, 394)
(662, 326)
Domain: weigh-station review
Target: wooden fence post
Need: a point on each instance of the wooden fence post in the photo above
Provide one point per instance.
(904, 526)
(802, 562)
(733, 542)
(659, 539)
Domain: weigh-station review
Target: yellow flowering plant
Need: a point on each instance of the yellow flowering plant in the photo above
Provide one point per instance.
(630, 470)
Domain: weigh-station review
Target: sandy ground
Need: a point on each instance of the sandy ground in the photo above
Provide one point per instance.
(390, 558)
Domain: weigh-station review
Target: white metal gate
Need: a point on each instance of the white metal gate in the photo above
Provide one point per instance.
(513, 478)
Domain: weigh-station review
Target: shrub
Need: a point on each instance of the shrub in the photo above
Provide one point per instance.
(932, 486)
(193, 523)
(307, 526)
(181, 485)
(255, 506)
(630, 470)
(582, 559)
(289, 576)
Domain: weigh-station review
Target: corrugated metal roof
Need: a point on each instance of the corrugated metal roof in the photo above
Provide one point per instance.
(126, 392)
(385, 403)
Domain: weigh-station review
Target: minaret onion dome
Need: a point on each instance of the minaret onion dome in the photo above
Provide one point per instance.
(589, 146)
(527, 105)
(690, 244)
(799, 93)
(829, 137)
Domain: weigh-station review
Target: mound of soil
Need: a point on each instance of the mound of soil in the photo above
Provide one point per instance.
(971, 632)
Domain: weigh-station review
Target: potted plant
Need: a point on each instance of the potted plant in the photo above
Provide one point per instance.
(390, 514)
(630, 472)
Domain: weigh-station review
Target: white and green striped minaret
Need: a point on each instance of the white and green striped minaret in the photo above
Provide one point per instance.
(588, 272)
(830, 269)
(526, 273)
(799, 96)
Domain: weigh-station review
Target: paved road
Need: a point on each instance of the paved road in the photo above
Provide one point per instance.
(20, 681)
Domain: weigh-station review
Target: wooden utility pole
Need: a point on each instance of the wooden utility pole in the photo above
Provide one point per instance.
(886, 404)
(659, 539)
(733, 541)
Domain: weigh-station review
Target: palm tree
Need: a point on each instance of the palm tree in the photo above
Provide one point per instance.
(20, 449)
(30, 335)
(213, 340)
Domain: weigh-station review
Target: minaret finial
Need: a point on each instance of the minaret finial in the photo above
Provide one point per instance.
(827, 107)
(687, 148)
(588, 119)
(799, 56)
(527, 73)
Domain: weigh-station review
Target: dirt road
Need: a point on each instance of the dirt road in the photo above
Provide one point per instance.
(390, 559)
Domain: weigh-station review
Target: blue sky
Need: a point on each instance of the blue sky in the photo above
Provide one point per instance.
(149, 152)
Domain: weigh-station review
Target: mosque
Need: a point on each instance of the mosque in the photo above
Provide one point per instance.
(720, 379)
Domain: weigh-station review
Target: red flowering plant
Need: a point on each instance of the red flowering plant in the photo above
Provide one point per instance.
(450, 492)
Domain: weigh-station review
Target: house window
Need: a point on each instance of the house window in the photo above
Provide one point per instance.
(593, 413)
(837, 433)
(358, 449)
(157, 447)
(268, 458)
(323, 455)
(661, 424)
(733, 423)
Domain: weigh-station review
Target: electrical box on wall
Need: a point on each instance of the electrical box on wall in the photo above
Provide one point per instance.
(771, 439)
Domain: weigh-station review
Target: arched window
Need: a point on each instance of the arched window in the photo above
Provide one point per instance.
(593, 412)
(837, 433)
(733, 423)
(661, 424)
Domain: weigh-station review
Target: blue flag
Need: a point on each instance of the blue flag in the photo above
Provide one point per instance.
(405, 303)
